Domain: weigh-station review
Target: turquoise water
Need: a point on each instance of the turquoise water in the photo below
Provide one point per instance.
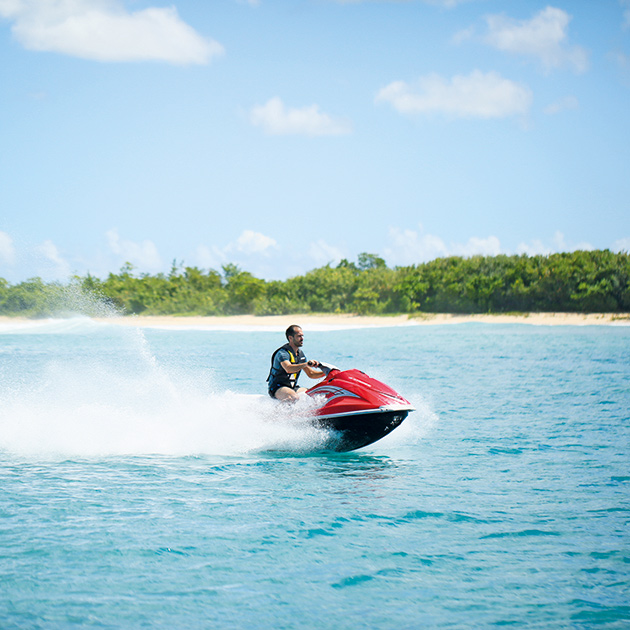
(140, 489)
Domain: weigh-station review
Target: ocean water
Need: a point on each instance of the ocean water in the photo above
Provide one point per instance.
(139, 488)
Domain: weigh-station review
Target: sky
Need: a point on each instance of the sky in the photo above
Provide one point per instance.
(284, 135)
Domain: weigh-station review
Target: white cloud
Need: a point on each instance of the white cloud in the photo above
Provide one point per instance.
(477, 95)
(322, 253)
(248, 245)
(535, 248)
(626, 13)
(569, 102)
(475, 246)
(562, 246)
(104, 31)
(407, 247)
(463, 35)
(264, 257)
(544, 37)
(558, 244)
(7, 250)
(250, 242)
(61, 269)
(559, 241)
(621, 245)
(276, 119)
(210, 257)
(143, 255)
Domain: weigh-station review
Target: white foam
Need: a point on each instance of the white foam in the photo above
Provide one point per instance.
(84, 408)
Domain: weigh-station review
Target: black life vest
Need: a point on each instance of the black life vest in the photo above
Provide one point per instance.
(279, 378)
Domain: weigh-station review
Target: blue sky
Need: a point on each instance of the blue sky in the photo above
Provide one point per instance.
(282, 135)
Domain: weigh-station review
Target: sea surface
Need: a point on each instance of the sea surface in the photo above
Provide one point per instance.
(140, 487)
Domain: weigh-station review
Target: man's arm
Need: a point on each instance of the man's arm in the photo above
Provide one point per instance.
(310, 370)
(308, 367)
(292, 368)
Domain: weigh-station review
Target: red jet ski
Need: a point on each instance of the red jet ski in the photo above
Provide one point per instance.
(358, 409)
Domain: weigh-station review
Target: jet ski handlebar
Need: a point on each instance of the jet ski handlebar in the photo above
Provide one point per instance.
(326, 368)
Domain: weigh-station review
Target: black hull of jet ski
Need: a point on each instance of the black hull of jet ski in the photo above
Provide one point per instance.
(353, 431)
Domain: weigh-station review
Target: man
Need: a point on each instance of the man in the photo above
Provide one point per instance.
(286, 364)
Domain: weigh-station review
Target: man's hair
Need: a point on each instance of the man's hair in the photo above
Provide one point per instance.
(291, 330)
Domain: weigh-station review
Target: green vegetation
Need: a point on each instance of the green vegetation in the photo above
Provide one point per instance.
(581, 281)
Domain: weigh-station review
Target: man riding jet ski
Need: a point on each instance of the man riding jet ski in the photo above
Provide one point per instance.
(358, 410)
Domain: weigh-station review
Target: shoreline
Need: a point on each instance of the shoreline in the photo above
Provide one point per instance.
(343, 321)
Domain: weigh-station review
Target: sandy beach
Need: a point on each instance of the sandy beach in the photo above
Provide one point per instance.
(337, 321)
(328, 321)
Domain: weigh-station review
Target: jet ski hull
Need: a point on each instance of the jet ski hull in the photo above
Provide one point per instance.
(351, 432)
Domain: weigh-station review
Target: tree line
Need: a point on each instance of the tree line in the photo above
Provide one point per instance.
(580, 281)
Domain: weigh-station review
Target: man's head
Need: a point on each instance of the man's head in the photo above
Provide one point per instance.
(295, 335)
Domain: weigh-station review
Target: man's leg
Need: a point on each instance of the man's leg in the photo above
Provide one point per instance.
(287, 393)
